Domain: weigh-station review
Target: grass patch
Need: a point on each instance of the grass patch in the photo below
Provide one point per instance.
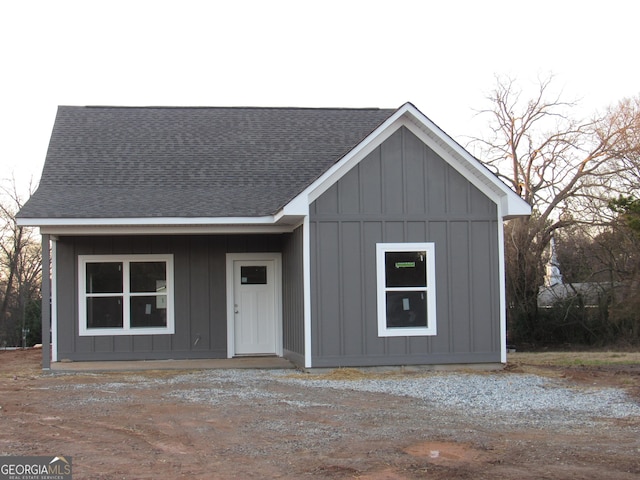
(572, 359)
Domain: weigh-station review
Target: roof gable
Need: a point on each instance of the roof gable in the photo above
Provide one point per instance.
(511, 205)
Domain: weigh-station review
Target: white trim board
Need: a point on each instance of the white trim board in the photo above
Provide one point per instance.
(430, 134)
(165, 230)
(54, 300)
(503, 294)
(306, 275)
(149, 221)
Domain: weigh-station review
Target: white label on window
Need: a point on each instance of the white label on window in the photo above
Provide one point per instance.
(147, 309)
(161, 301)
(405, 304)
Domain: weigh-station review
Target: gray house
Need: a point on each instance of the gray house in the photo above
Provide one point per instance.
(331, 237)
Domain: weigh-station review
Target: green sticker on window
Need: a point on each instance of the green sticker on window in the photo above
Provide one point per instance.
(405, 264)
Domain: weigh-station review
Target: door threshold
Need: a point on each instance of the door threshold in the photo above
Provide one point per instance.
(256, 355)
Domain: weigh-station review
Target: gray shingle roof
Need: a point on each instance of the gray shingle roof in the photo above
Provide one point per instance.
(124, 162)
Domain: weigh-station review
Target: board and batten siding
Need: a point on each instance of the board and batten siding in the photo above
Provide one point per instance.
(404, 192)
(199, 295)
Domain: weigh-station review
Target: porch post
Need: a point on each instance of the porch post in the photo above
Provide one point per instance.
(46, 304)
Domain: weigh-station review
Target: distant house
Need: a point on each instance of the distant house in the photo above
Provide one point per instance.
(556, 292)
(332, 237)
(586, 294)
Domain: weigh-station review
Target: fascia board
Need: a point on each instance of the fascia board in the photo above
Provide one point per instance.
(515, 209)
(479, 176)
(161, 226)
(299, 205)
(467, 165)
(145, 221)
(164, 230)
(419, 124)
(351, 159)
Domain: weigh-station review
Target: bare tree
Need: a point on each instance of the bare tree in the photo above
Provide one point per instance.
(20, 265)
(566, 169)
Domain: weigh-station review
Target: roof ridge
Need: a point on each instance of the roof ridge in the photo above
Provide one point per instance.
(213, 107)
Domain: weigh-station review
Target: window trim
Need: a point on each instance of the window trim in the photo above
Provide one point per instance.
(429, 289)
(126, 260)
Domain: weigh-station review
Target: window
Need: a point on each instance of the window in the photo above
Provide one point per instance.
(125, 294)
(253, 275)
(406, 289)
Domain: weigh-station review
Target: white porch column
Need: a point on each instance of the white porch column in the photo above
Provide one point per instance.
(46, 303)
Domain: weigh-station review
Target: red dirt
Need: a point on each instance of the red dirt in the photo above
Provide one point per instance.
(116, 427)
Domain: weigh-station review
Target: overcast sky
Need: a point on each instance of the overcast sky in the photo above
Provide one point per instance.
(441, 56)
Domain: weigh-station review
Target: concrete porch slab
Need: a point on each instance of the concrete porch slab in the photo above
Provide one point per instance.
(200, 364)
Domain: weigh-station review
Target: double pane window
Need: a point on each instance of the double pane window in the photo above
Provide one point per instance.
(126, 294)
(406, 293)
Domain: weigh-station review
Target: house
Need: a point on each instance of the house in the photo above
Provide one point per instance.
(332, 237)
(555, 292)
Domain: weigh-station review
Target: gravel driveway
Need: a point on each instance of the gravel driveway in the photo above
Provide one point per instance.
(281, 424)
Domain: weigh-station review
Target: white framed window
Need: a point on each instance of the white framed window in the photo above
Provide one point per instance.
(125, 295)
(406, 289)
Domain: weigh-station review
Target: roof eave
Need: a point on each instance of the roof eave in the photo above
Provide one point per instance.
(162, 225)
(514, 207)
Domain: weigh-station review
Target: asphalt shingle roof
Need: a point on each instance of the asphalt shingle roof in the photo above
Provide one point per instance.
(124, 162)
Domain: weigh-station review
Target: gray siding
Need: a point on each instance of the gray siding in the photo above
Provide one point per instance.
(293, 297)
(200, 295)
(403, 192)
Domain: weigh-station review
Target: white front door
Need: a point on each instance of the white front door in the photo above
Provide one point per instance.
(255, 307)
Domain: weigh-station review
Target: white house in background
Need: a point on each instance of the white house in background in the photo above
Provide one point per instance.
(554, 290)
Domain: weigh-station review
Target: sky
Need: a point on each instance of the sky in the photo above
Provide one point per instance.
(441, 56)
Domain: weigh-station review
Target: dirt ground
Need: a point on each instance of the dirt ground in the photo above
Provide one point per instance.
(116, 426)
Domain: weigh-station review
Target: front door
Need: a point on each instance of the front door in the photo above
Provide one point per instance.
(254, 307)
